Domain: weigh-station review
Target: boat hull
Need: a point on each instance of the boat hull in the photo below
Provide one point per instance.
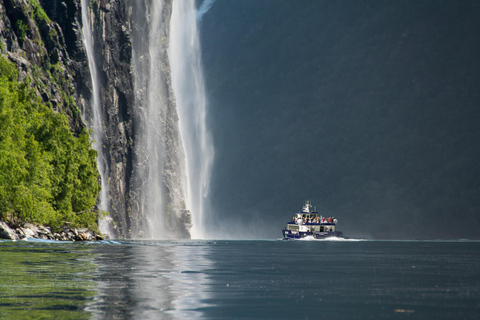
(287, 234)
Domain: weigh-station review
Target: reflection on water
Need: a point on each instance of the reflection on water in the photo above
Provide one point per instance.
(240, 280)
(112, 280)
(44, 280)
(146, 279)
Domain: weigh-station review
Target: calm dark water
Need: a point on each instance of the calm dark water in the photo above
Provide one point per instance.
(240, 280)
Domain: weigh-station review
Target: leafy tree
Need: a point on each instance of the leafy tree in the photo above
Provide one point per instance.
(47, 175)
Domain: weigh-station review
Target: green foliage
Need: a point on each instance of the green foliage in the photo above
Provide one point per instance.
(47, 175)
(7, 70)
(21, 29)
(39, 14)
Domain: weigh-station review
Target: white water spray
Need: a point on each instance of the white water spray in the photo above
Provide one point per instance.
(154, 127)
(93, 118)
(206, 5)
(188, 85)
(150, 95)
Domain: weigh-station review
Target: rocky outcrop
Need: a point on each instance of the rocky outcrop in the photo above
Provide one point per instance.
(29, 230)
(6, 232)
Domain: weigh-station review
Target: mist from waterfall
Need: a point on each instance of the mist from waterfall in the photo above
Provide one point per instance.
(93, 117)
(188, 85)
(204, 7)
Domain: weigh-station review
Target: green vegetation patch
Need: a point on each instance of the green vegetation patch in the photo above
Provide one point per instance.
(47, 175)
(21, 29)
(39, 14)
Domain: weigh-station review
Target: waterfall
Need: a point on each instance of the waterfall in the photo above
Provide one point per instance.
(170, 144)
(150, 124)
(159, 174)
(188, 85)
(93, 117)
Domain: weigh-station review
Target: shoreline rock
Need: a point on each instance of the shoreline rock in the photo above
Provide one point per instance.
(30, 230)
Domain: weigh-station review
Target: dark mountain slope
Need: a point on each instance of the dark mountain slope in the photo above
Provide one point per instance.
(369, 109)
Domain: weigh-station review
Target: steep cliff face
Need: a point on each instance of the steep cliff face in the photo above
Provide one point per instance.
(110, 27)
(144, 164)
(36, 44)
(368, 109)
(144, 155)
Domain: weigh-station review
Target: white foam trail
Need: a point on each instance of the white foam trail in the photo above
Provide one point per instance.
(188, 85)
(94, 119)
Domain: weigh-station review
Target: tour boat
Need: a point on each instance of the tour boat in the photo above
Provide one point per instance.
(307, 223)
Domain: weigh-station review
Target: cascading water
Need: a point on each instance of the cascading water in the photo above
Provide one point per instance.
(189, 88)
(93, 116)
(170, 149)
(159, 174)
(149, 147)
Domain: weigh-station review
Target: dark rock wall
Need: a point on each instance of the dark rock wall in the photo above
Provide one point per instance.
(111, 28)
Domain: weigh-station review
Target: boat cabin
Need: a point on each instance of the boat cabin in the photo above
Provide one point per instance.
(309, 221)
(299, 226)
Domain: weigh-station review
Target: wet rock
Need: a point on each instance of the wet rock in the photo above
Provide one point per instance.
(6, 232)
(27, 231)
(30, 230)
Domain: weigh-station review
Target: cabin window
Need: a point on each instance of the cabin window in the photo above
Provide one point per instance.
(293, 228)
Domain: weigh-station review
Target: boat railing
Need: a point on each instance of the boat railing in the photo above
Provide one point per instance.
(315, 223)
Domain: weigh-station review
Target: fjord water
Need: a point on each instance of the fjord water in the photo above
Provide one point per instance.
(240, 280)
